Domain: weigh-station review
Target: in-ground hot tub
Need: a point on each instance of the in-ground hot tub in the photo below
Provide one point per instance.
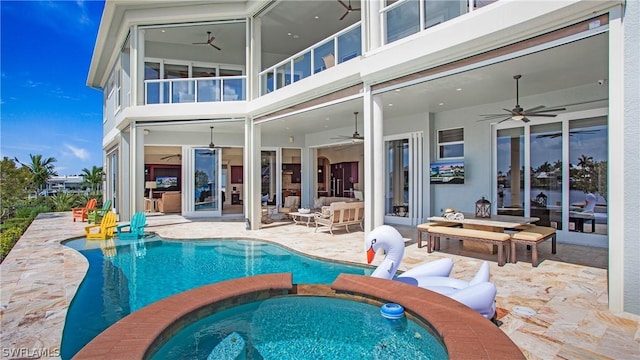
(464, 333)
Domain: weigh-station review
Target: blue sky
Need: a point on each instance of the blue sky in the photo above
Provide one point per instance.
(45, 106)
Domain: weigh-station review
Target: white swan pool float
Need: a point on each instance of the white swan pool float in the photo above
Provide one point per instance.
(478, 294)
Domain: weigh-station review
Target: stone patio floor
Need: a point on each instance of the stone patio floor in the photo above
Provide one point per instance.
(40, 276)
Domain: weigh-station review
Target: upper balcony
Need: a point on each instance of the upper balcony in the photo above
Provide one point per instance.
(195, 90)
(336, 49)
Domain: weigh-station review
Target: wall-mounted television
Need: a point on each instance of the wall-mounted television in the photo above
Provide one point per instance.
(451, 172)
(167, 183)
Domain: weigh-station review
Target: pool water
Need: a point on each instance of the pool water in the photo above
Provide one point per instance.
(304, 327)
(133, 274)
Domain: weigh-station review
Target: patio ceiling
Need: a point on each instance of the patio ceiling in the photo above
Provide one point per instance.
(575, 64)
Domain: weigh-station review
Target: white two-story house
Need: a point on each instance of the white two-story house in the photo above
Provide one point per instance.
(418, 105)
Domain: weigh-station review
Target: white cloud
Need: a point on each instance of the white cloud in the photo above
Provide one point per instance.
(78, 152)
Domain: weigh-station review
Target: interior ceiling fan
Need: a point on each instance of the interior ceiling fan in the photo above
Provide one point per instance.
(210, 39)
(518, 113)
(348, 7)
(356, 137)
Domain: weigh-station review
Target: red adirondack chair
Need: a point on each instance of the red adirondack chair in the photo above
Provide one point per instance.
(82, 212)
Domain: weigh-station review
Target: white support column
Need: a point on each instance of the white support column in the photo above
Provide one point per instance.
(252, 174)
(125, 177)
(255, 63)
(136, 170)
(373, 161)
(616, 178)
(371, 25)
(139, 83)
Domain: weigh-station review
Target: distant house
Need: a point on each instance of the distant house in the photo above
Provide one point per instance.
(67, 183)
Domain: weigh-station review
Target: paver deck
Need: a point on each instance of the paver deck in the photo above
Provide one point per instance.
(40, 277)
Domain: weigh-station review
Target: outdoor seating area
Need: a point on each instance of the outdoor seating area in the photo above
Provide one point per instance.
(505, 242)
(341, 214)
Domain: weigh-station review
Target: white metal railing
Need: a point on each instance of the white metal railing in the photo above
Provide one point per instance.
(407, 17)
(338, 48)
(194, 90)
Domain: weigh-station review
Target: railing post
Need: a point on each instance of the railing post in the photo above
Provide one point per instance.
(221, 89)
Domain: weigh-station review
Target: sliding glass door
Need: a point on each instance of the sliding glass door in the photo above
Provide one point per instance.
(403, 175)
(556, 170)
(207, 190)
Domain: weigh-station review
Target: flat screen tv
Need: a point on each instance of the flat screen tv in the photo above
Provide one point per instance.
(167, 183)
(451, 172)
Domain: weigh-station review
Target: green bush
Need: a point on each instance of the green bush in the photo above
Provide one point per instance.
(8, 238)
(63, 201)
(21, 223)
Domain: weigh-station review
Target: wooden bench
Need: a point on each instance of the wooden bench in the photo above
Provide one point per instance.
(424, 228)
(533, 236)
(501, 240)
(341, 214)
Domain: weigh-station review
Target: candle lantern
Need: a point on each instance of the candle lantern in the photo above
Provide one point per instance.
(483, 208)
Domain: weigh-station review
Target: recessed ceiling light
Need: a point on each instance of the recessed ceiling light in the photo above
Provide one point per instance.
(317, 17)
(441, 104)
(289, 34)
(163, 30)
(296, 36)
(398, 90)
(459, 89)
(390, 104)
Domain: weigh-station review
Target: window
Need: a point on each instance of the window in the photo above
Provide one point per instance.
(451, 143)
(117, 90)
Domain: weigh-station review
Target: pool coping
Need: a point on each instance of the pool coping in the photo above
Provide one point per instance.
(465, 333)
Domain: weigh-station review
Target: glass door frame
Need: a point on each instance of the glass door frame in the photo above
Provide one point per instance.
(564, 235)
(415, 175)
(188, 186)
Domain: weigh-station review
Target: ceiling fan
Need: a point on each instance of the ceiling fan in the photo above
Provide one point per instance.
(518, 113)
(210, 39)
(356, 137)
(348, 7)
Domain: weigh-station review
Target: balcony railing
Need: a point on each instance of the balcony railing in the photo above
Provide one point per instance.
(407, 17)
(336, 49)
(195, 90)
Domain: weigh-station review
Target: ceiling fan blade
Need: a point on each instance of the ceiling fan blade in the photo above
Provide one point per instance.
(345, 15)
(503, 120)
(511, 111)
(533, 109)
(204, 43)
(215, 47)
(343, 4)
(543, 115)
(525, 119)
(547, 110)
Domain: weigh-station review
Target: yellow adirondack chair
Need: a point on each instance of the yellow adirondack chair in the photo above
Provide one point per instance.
(104, 230)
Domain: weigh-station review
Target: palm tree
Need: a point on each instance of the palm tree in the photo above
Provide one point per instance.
(93, 177)
(585, 161)
(41, 169)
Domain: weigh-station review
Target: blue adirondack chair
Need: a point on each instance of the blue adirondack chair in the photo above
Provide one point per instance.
(133, 230)
(95, 215)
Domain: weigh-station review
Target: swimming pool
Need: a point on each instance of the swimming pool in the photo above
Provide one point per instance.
(124, 276)
(303, 327)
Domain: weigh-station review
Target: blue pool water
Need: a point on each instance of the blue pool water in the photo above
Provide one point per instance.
(303, 327)
(132, 275)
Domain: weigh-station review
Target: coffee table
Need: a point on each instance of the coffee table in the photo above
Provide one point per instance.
(299, 218)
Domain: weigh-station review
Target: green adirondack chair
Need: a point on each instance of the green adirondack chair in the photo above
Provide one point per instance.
(95, 215)
(133, 230)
